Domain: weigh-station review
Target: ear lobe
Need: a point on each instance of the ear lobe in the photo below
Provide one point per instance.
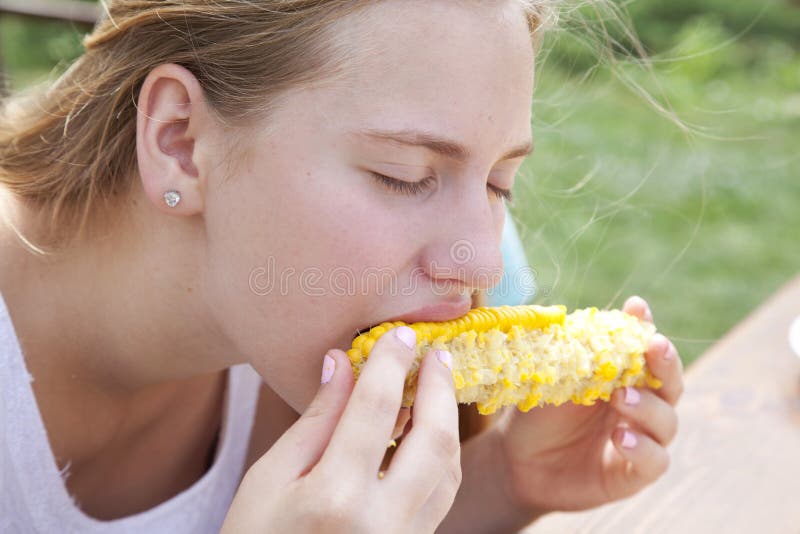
(170, 110)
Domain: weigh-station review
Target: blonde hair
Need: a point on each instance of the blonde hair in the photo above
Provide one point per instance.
(69, 151)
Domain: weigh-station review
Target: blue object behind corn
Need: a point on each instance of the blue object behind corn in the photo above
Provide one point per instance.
(518, 283)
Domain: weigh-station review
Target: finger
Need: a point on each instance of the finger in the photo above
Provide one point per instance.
(650, 413)
(435, 509)
(359, 441)
(648, 460)
(665, 364)
(430, 454)
(303, 444)
(638, 307)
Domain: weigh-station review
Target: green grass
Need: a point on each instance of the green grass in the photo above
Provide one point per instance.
(617, 200)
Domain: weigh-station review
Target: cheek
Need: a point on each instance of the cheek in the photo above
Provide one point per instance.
(263, 235)
(340, 221)
(499, 215)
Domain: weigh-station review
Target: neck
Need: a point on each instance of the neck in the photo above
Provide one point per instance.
(120, 310)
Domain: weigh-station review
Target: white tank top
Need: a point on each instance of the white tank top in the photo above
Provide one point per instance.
(33, 496)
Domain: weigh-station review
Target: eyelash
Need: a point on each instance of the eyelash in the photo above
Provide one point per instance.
(403, 187)
(417, 188)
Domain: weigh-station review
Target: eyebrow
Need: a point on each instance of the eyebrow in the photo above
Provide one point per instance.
(439, 145)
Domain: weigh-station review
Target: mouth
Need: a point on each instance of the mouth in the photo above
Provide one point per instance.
(445, 311)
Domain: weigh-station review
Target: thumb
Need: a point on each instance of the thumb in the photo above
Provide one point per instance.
(299, 449)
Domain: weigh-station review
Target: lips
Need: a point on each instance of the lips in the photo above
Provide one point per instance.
(438, 312)
(444, 311)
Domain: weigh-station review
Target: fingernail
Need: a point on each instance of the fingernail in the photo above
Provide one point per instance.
(407, 336)
(629, 440)
(328, 367)
(648, 315)
(446, 358)
(670, 352)
(632, 396)
(660, 339)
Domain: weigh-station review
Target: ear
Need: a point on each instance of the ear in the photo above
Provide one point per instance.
(171, 113)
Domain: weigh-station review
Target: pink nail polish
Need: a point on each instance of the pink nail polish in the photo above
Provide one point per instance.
(629, 440)
(446, 358)
(328, 367)
(671, 350)
(632, 396)
(660, 340)
(407, 336)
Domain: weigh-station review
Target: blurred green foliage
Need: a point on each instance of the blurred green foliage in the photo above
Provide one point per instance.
(618, 201)
(753, 36)
(698, 214)
(656, 22)
(32, 48)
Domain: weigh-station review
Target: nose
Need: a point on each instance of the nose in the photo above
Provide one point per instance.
(465, 250)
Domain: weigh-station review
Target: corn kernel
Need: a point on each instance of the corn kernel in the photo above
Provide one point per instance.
(531, 355)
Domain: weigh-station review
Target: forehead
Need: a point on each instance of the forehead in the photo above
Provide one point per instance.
(464, 69)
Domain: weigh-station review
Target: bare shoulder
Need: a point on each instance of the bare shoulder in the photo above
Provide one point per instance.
(273, 417)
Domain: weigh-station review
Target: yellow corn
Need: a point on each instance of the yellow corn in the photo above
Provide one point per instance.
(529, 355)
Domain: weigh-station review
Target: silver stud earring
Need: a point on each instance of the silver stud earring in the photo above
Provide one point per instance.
(172, 198)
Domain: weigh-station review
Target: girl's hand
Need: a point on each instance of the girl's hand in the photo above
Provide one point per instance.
(322, 474)
(574, 457)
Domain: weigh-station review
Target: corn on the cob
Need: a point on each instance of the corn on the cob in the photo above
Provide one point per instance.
(529, 355)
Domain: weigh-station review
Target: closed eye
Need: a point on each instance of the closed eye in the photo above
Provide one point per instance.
(426, 184)
(499, 192)
(403, 187)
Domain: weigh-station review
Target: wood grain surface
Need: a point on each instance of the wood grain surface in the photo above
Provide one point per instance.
(736, 460)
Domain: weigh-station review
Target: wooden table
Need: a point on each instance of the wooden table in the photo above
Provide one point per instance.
(736, 460)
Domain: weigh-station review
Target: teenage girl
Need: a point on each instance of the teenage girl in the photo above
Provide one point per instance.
(200, 214)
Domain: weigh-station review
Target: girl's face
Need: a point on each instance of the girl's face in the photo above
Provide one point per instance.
(307, 246)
